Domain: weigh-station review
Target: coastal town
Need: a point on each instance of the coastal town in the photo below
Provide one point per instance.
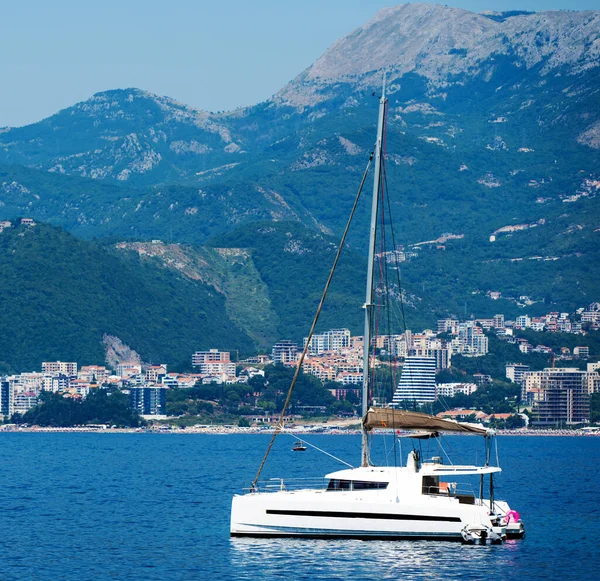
(558, 395)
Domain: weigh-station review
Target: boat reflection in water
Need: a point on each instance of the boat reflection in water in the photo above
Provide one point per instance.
(254, 559)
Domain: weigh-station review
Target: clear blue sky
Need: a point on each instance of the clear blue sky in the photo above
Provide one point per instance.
(214, 55)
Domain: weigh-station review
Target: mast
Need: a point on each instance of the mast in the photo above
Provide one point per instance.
(368, 306)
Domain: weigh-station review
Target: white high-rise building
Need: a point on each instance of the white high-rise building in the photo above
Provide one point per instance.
(333, 340)
(417, 382)
(214, 362)
(470, 341)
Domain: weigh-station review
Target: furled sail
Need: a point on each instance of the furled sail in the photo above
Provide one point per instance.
(394, 419)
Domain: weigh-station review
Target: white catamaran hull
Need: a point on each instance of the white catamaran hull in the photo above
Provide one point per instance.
(364, 515)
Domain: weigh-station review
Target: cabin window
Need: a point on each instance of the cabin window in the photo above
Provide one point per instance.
(335, 484)
(431, 485)
(361, 485)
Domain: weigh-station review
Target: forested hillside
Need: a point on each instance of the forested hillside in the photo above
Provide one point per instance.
(59, 296)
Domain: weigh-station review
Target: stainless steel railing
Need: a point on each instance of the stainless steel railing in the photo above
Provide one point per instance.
(289, 484)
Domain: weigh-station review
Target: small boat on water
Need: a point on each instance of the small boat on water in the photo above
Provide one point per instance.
(422, 498)
(299, 446)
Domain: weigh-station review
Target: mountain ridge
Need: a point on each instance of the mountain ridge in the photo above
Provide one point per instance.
(507, 150)
(120, 134)
(440, 42)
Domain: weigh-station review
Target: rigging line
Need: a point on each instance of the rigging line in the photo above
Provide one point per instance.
(396, 261)
(296, 437)
(398, 271)
(452, 453)
(432, 233)
(382, 246)
(384, 271)
(443, 402)
(444, 450)
(280, 423)
(374, 322)
(379, 296)
(382, 238)
(497, 457)
(387, 196)
(392, 369)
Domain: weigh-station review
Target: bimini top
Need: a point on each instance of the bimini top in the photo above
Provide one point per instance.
(393, 419)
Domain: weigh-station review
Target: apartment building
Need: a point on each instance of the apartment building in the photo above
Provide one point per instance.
(333, 340)
(93, 373)
(417, 382)
(591, 316)
(155, 373)
(65, 368)
(5, 398)
(582, 352)
(127, 369)
(149, 400)
(470, 340)
(515, 371)
(496, 322)
(210, 356)
(452, 389)
(284, 351)
(349, 389)
(214, 363)
(447, 326)
(558, 396)
(350, 378)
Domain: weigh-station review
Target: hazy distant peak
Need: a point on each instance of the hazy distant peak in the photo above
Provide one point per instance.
(118, 99)
(440, 43)
(397, 36)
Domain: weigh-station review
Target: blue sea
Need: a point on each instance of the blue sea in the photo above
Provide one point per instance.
(82, 506)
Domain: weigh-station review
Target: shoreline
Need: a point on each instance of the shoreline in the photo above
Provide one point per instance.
(235, 430)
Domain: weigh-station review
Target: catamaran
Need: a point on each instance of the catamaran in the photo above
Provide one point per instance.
(422, 499)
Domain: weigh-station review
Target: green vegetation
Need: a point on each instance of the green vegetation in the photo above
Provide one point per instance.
(99, 407)
(497, 397)
(294, 263)
(556, 341)
(470, 162)
(226, 403)
(60, 295)
(232, 272)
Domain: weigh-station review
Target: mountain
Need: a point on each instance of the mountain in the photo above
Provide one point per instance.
(60, 297)
(122, 135)
(493, 150)
(253, 267)
(450, 47)
(99, 208)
